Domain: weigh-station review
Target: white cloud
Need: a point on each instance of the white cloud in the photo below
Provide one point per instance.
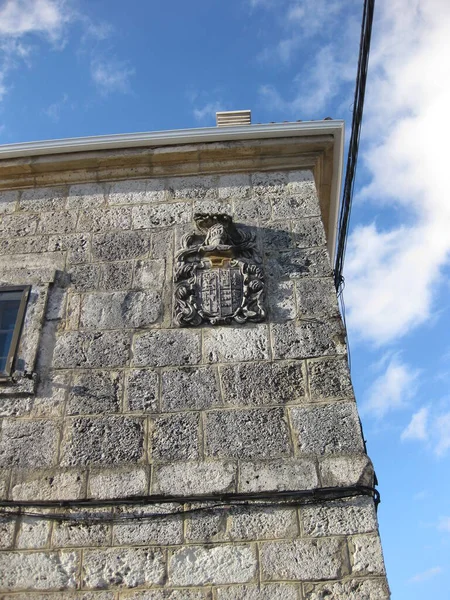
(54, 110)
(19, 17)
(442, 433)
(444, 524)
(208, 111)
(425, 575)
(391, 390)
(418, 426)
(111, 76)
(392, 272)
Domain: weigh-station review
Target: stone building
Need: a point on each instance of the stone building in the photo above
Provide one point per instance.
(177, 416)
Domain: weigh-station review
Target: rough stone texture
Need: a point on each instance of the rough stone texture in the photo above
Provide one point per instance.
(254, 592)
(91, 350)
(120, 310)
(366, 555)
(263, 383)
(328, 428)
(125, 403)
(329, 379)
(95, 392)
(339, 518)
(261, 433)
(129, 481)
(38, 570)
(175, 437)
(303, 559)
(195, 478)
(142, 390)
(217, 565)
(28, 443)
(169, 347)
(189, 388)
(123, 567)
(353, 589)
(236, 344)
(283, 474)
(106, 440)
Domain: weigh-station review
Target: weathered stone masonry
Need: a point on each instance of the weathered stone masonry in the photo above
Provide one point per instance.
(126, 403)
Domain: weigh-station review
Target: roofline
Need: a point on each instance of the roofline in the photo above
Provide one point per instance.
(193, 136)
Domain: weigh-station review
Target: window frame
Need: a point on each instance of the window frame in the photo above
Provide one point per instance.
(20, 318)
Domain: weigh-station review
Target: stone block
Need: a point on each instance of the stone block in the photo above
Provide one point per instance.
(274, 591)
(298, 263)
(342, 517)
(7, 530)
(206, 526)
(76, 245)
(253, 210)
(104, 220)
(167, 347)
(308, 339)
(40, 199)
(281, 301)
(86, 196)
(269, 184)
(106, 440)
(57, 484)
(95, 392)
(175, 437)
(28, 443)
(149, 274)
(212, 206)
(120, 245)
(297, 178)
(160, 594)
(366, 555)
(346, 471)
(274, 237)
(84, 277)
(8, 201)
(18, 225)
(57, 222)
(162, 242)
(193, 188)
(115, 276)
(123, 567)
(142, 390)
(234, 344)
(316, 298)
(23, 245)
(353, 589)
(247, 434)
(61, 596)
(315, 559)
(161, 215)
(328, 428)
(234, 185)
(259, 384)
(253, 523)
(194, 566)
(33, 533)
(329, 379)
(308, 233)
(120, 310)
(189, 388)
(118, 483)
(73, 312)
(280, 475)
(139, 191)
(72, 534)
(303, 203)
(194, 478)
(91, 350)
(39, 570)
(154, 530)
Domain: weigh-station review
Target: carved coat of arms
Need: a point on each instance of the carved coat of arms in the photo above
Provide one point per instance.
(218, 275)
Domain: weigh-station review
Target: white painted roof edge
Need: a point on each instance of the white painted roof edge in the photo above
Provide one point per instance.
(172, 137)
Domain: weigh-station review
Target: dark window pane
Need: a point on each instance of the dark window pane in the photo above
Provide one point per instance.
(2, 364)
(5, 342)
(8, 313)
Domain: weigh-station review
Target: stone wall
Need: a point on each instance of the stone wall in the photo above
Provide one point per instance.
(128, 404)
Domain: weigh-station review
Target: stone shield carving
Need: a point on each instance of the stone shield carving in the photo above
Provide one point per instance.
(218, 275)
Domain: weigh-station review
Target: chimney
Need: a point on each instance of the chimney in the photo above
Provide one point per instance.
(229, 118)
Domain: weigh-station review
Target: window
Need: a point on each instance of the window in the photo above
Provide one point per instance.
(13, 301)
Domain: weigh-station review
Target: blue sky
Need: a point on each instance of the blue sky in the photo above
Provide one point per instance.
(79, 67)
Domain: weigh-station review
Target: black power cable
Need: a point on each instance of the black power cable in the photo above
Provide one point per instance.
(226, 502)
(352, 158)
